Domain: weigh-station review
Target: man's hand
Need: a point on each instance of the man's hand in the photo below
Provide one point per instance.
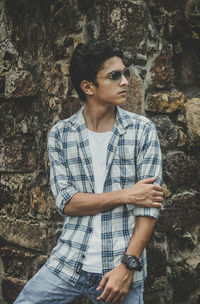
(116, 283)
(145, 194)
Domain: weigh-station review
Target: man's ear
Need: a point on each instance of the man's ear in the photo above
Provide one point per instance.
(87, 87)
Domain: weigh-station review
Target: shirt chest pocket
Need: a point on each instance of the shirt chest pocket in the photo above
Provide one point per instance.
(123, 166)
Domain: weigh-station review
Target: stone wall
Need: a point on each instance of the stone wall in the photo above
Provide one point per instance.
(161, 40)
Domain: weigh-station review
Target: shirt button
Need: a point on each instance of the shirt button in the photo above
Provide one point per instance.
(83, 256)
(89, 229)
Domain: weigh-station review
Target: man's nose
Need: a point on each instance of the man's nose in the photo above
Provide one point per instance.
(124, 81)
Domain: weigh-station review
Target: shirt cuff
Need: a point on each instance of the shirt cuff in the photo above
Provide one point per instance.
(63, 198)
(152, 212)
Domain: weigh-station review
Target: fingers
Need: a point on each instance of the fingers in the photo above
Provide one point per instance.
(149, 180)
(122, 299)
(158, 188)
(157, 199)
(102, 283)
(110, 295)
(158, 196)
(104, 295)
(115, 299)
(118, 298)
(155, 205)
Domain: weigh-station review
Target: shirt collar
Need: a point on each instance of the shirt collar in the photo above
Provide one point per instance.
(123, 120)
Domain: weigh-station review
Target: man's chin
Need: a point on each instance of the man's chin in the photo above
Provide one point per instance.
(122, 100)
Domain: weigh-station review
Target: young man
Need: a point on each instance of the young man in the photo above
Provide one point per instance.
(105, 177)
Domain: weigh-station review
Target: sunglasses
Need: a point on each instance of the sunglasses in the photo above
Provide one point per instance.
(117, 75)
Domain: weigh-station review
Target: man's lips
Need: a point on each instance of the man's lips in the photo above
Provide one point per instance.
(123, 92)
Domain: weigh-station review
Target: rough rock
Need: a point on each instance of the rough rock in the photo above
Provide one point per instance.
(70, 106)
(164, 102)
(161, 286)
(162, 71)
(167, 132)
(38, 202)
(193, 119)
(20, 84)
(11, 288)
(54, 82)
(2, 88)
(179, 164)
(119, 18)
(24, 234)
(18, 154)
(135, 95)
(181, 212)
(26, 262)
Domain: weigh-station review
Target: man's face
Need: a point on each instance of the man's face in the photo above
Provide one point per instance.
(112, 83)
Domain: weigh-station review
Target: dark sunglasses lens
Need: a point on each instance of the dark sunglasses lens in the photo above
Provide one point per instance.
(127, 74)
(116, 75)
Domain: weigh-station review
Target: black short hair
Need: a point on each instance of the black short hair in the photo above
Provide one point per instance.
(87, 59)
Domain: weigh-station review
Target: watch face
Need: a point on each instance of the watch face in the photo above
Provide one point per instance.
(132, 263)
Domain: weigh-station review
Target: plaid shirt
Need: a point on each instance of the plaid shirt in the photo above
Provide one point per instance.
(133, 154)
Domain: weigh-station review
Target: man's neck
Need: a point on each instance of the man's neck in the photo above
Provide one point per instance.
(99, 118)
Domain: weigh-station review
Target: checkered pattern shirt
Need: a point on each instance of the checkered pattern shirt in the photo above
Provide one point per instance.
(133, 154)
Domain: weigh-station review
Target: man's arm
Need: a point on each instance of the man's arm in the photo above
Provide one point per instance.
(118, 280)
(142, 194)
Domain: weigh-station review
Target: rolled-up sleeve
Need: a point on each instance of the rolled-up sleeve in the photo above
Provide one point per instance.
(60, 178)
(149, 164)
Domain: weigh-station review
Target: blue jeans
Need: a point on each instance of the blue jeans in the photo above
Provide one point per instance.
(47, 288)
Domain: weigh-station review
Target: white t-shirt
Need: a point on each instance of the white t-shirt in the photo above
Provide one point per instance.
(98, 147)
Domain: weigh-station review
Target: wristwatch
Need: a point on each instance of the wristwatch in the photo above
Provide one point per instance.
(131, 262)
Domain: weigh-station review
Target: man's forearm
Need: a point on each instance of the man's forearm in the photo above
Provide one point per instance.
(90, 204)
(143, 229)
(117, 281)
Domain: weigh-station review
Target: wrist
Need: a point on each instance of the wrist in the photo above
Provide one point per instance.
(131, 262)
(125, 269)
(119, 197)
(124, 197)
